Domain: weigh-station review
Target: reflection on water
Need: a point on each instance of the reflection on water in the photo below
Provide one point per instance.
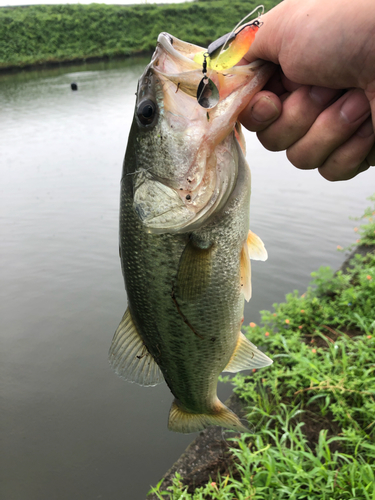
(71, 428)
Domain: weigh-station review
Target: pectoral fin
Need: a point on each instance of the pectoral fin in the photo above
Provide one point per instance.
(252, 249)
(245, 269)
(240, 137)
(185, 422)
(129, 357)
(194, 272)
(246, 356)
(256, 247)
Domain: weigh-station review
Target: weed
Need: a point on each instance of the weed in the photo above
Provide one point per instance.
(50, 33)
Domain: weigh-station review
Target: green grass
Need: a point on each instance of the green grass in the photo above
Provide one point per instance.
(312, 413)
(41, 34)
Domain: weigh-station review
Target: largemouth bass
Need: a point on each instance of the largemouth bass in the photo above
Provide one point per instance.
(185, 244)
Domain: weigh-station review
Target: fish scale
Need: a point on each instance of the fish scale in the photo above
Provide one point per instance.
(155, 309)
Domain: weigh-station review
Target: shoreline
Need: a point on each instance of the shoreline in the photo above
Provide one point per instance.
(69, 62)
(207, 454)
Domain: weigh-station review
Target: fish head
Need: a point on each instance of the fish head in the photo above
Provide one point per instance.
(185, 154)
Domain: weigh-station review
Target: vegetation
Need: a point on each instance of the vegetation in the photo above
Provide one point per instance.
(55, 33)
(312, 413)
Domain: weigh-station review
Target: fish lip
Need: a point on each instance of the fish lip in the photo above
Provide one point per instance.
(166, 41)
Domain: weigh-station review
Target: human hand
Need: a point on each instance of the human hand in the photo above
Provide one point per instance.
(324, 120)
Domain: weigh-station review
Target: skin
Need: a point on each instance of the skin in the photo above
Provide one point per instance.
(319, 105)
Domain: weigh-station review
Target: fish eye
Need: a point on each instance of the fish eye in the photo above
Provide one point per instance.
(146, 112)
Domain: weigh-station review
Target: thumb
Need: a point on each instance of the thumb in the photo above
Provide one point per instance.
(267, 42)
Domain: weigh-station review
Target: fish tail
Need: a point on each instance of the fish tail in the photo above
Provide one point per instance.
(183, 421)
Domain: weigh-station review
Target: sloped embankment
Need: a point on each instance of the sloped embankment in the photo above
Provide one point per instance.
(54, 34)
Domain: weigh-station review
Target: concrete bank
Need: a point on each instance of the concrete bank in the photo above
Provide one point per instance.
(206, 455)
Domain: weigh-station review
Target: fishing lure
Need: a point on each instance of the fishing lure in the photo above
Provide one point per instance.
(223, 54)
(220, 58)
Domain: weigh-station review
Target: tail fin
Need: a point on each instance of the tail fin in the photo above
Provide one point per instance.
(182, 421)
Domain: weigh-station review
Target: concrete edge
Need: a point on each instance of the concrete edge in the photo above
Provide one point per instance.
(208, 450)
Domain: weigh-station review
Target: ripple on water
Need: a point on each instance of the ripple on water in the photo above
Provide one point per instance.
(74, 429)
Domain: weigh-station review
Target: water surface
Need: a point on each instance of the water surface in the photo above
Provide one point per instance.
(70, 428)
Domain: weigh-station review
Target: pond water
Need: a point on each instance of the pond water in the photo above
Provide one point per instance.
(70, 428)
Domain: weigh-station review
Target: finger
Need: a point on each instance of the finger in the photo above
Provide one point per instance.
(370, 158)
(275, 83)
(334, 126)
(353, 157)
(300, 110)
(279, 84)
(271, 29)
(262, 110)
(288, 84)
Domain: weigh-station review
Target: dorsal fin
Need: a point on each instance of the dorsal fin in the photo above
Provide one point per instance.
(129, 357)
(246, 356)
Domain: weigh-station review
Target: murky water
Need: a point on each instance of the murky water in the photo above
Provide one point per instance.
(70, 428)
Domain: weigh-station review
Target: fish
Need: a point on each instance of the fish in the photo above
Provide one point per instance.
(185, 243)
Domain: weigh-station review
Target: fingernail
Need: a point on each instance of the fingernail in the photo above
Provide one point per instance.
(264, 110)
(322, 95)
(355, 106)
(366, 129)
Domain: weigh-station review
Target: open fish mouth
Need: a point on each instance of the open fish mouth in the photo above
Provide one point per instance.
(194, 169)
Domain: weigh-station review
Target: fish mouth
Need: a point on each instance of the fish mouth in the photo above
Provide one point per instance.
(196, 157)
(179, 49)
(185, 52)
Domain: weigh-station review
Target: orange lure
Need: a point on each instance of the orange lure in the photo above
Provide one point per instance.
(224, 59)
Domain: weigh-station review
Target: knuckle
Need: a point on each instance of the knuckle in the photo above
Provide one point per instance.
(297, 120)
(274, 140)
(268, 140)
(301, 160)
(341, 167)
(329, 175)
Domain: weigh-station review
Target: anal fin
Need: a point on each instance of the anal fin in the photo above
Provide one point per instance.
(182, 421)
(129, 357)
(246, 356)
